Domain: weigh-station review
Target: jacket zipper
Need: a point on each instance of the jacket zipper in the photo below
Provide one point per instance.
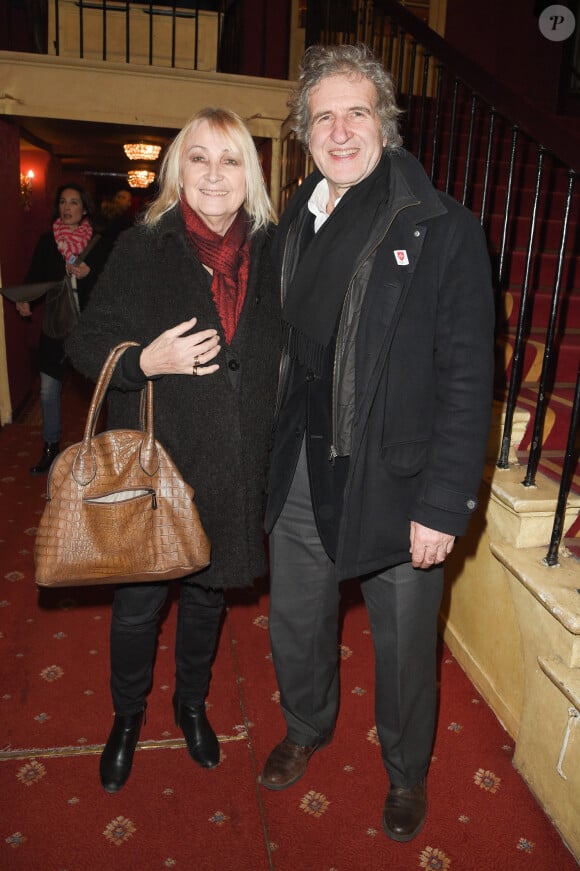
(333, 453)
(283, 364)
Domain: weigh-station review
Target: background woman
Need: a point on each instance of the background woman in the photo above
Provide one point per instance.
(71, 232)
(192, 284)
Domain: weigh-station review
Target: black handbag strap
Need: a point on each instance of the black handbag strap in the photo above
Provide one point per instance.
(92, 242)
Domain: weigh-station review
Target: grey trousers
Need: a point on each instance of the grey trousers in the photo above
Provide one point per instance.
(402, 604)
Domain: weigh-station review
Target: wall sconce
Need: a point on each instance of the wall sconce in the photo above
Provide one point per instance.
(141, 151)
(26, 188)
(140, 178)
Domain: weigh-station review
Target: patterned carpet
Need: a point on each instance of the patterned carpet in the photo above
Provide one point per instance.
(56, 714)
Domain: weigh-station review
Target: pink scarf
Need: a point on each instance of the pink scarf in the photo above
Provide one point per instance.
(70, 241)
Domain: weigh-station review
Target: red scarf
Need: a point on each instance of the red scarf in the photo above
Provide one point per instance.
(70, 241)
(229, 258)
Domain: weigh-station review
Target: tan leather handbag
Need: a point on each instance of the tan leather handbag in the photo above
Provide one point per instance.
(117, 509)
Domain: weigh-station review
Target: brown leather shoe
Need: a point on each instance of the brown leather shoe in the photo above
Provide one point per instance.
(405, 811)
(288, 761)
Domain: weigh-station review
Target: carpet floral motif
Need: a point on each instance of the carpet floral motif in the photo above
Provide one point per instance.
(487, 780)
(52, 673)
(31, 773)
(119, 831)
(314, 803)
(433, 859)
(16, 839)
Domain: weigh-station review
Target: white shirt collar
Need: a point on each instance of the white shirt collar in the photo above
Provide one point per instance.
(318, 202)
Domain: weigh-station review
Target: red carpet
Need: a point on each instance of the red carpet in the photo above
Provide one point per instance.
(172, 814)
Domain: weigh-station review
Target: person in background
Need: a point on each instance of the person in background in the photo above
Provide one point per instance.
(116, 213)
(193, 285)
(72, 230)
(384, 410)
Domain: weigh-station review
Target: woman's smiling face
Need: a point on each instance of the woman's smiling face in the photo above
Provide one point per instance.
(213, 177)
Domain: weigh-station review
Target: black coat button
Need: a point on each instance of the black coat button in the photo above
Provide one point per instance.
(234, 365)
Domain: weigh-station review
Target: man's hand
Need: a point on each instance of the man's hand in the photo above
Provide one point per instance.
(428, 546)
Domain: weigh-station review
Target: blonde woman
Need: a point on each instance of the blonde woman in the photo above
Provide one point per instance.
(193, 285)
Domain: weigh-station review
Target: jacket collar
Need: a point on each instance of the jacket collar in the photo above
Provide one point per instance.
(410, 185)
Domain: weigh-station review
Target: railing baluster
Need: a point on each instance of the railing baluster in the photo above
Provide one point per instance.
(435, 137)
(196, 32)
(518, 355)
(127, 32)
(490, 131)
(402, 49)
(104, 29)
(506, 216)
(570, 461)
(426, 59)
(410, 87)
(81, 28)
(150, 33)
(173, 22)
(57, 28)
(547, 361)
(469, 148)
(451, 135)
(392, 37)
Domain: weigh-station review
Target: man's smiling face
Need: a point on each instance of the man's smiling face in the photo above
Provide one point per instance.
(346, 142)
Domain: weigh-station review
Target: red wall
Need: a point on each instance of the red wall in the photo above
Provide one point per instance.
(265, 38)
(505, 40)
(20, 229)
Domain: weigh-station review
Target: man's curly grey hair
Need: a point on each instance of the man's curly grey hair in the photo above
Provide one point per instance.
(320, 61)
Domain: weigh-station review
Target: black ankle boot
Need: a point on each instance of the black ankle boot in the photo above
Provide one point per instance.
(117, 757)
(200, 738)
(51, 449)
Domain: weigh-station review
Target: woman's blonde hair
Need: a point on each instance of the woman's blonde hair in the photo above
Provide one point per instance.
(257, 202)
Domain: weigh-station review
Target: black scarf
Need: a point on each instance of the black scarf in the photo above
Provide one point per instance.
(318, 287)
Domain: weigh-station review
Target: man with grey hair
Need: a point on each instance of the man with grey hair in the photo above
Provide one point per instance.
(382, 420)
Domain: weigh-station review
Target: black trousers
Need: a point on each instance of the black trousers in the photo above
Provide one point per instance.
(133, 642)
(402, 604)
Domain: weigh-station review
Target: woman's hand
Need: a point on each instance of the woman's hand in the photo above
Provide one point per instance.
(23, 309)
(173, 353)
(80, 271)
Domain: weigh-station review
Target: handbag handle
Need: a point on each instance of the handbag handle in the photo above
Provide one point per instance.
(84, 467)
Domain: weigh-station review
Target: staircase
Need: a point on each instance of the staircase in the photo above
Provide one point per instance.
(540, 263)
(527, 200)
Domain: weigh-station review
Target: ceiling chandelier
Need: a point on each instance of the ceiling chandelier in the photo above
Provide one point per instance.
(141, 151)
(140, 178)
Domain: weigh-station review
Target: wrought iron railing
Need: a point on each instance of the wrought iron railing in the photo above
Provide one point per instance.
(185, 34)
(512, 165)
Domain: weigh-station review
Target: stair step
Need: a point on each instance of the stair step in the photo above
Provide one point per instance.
(540, 304)
(568, 355)
(543, 268)
(548, 232)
